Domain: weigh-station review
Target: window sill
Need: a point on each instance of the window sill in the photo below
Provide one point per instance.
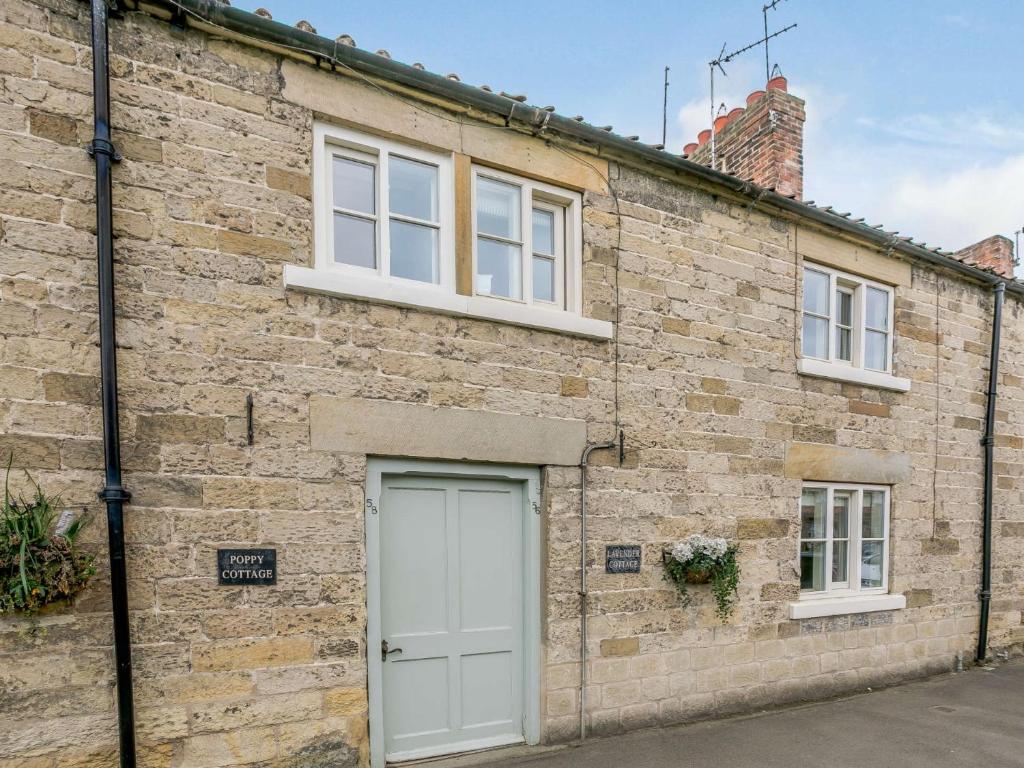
(404, 294)
(825, 370)
(841, 606)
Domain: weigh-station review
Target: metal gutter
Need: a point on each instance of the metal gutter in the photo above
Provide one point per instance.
(113, 494)
(988, 441)
(541, 122)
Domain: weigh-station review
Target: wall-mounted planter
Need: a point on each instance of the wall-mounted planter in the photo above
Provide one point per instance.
(40, 567)
(702, 559)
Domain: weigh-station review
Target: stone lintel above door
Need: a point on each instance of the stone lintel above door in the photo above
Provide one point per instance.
(386, 428)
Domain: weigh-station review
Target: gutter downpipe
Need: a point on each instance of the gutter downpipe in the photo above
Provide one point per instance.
(583, 579)
(988, 441)
(113, 494)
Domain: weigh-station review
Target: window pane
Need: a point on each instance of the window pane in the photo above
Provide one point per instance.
(497, 208)
(844, 308)
(816, 292)
(414, 251)
(499, 271)
(877, 309)
(354, 185)
(876, 350)
(412, 188)
(543, 279)
(841, 514)
(873, 515)
(812, 513)
(812, 566)
(840, 562)
(815, 337)
(543, 231)
(872, 555)
(355, 241)
(844, 344)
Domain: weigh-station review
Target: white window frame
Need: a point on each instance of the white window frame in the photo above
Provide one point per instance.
(568, 264)
(325, 276)
(854, 539)
(331, 141)
(560, 215)
(832, 367)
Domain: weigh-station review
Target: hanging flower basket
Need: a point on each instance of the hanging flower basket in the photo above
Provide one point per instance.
(700, 559)
(698, 577)
(39, 564)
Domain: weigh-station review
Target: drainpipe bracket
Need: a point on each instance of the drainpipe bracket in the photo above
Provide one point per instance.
(104, 147)
(985, 594)
(114, 493)
(987, 440)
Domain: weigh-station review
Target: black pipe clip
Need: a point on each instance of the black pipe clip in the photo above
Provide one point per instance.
(114, 493)
(104, 147)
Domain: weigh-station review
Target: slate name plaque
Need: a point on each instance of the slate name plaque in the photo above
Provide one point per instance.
(622, 558)
(247, 566)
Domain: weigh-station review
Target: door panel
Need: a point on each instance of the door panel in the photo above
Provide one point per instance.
(451, 565)
(486, 599)
(483, 674)
(416, 695)
(416, 586)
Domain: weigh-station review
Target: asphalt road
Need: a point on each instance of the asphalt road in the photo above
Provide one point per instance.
(974, 719)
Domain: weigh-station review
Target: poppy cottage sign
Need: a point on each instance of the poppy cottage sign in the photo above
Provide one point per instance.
(247, 566)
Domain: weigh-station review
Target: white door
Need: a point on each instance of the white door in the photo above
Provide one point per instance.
(451, 581)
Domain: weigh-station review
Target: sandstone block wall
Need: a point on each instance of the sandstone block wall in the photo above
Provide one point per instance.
(211, 201)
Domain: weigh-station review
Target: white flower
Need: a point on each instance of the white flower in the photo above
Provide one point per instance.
(699, 544)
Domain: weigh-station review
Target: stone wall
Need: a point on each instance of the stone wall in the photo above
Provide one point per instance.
(211, 201)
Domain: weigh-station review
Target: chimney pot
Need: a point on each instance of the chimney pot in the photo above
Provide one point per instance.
(690, 148)
(765, 147)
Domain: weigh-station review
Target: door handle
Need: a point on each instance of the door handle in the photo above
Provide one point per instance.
(385, 650)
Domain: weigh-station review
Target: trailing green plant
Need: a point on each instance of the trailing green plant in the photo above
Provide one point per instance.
(700, 559)
(38, 564)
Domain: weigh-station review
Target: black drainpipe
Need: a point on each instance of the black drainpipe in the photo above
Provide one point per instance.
(115, 496)
(985, 595)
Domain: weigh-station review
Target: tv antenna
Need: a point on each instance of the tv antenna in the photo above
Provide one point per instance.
(664, 110)
(725, 58)
(764, 12)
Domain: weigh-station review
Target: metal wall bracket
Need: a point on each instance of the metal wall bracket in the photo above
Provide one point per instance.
(114, 493)
(103, 147)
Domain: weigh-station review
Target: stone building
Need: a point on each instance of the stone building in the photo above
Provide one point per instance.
(435, 297)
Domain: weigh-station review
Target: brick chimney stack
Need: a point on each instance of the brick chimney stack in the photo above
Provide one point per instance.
(993, 253)
(763, 142)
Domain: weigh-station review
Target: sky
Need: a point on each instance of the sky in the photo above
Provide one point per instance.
(915, 117)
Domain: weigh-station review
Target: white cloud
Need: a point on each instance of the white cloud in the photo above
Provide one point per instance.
(695, 115)
(962, 207)
(964, 130)
(949, 180)
(956, 20)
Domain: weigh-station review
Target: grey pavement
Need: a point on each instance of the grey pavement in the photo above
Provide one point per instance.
(972, 719)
